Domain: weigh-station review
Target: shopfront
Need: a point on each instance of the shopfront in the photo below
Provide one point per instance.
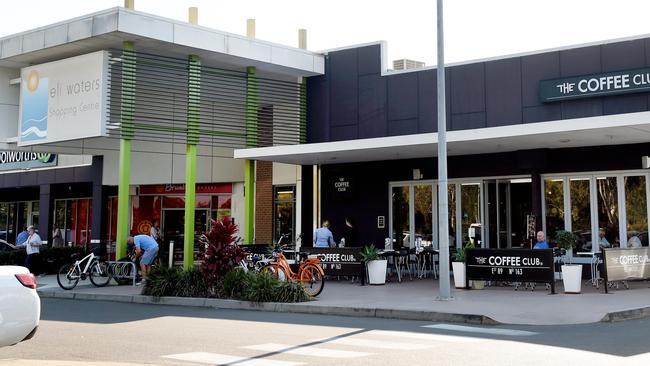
(165, 203)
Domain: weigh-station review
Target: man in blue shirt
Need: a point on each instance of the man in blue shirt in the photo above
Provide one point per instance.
(541, 241)
(323, 237)
(22, 237)
(150, 247)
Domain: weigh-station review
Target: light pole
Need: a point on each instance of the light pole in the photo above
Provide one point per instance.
(443, 204)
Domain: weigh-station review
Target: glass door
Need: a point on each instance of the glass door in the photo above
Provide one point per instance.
(423, 214)
(400, 218)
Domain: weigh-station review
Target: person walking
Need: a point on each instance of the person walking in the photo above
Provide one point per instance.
(22, 237)
(32, 246)
(323, 237)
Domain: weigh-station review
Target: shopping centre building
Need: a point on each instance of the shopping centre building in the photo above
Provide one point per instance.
(117, 119)
(123, 109)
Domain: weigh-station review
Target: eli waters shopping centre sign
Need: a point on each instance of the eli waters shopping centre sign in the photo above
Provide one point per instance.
(64, 100)
(595, 85)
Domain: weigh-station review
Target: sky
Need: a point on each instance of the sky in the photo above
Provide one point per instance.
(474, 29)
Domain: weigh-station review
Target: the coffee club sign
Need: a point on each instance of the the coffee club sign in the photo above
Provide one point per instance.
(623, 264)
(513, 265)
(16, 160)
(595, 85)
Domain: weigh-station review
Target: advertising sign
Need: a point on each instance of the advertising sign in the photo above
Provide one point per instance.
(626, 263)
(517, 265)
(64, 100)
(201, 188)
(15, 160)
(340, 261)
(342, 187)
(595, 85)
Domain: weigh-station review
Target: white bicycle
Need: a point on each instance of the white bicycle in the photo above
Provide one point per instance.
(70, 274)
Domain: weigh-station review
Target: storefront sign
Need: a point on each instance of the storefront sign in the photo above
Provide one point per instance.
(16, 160)
(343, 187)
(517, 265)
(340, 261)
(595, 85)
(626, 263)
(203, 188)
(64, 100)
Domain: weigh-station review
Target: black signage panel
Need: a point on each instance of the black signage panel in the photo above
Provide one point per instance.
(339, 261)
(595, 85)
(518, 265)
(626, 263)
(342, 187)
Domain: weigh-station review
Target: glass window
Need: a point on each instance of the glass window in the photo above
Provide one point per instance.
(221, 207)
(284, 212)
(636, 213)
(400, 219)
(581, 212)
(4, 229)
(471, 212)
(423, 214)
(607, 211)
(554, 206)
(451, 201)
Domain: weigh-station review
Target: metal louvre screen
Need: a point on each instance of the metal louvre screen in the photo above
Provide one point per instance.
(150, 100)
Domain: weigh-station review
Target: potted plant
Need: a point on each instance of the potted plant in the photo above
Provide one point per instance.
(571, 273)
(458, 266)
(376, 268)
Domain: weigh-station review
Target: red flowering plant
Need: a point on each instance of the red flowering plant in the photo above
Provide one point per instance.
(220, 250)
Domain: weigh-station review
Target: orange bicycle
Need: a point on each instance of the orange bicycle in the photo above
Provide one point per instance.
(310, 274)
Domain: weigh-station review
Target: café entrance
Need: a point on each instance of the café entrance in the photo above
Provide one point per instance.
(492, 212)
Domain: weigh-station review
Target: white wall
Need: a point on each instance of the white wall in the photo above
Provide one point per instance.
(285, 174)
(9, 100)
(238, 206)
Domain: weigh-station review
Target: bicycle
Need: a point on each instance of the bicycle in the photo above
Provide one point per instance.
(124, 276)
(310, 274)
(96, 270)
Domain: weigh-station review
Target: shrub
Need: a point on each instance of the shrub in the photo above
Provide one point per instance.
(192, 284)
(290, 292)
(260, 287)
(163, 281)
(220, 253)
(234, 282)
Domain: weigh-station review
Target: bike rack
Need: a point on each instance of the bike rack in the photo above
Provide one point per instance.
(119, 270)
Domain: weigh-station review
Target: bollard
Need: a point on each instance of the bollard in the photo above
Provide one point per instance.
(171, 253)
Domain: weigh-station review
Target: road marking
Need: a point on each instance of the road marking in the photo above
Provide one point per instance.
(306, 351)
(219, 359)
(371, 343)
(426, 336)
(495, 331)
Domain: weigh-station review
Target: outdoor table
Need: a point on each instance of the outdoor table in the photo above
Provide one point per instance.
(595, 276)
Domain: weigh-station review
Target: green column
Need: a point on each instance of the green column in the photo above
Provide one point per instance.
(252, 101)
(127, 109)
(193, 120)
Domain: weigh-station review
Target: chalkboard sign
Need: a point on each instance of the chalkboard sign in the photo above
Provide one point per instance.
(340, 261)
(626, 264)
(517, 265)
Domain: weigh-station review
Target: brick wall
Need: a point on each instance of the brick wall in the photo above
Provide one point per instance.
(264, 202)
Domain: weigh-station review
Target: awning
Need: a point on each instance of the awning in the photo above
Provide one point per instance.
(629, 128)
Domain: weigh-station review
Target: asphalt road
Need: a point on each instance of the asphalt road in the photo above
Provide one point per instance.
(98, 333)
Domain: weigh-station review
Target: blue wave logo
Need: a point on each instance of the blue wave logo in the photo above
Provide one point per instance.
(33, 124)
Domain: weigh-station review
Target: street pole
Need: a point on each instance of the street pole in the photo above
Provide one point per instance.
(443, 204)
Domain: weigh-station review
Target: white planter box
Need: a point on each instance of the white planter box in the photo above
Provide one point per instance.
(459, 274)
(377, 272)
(572, 278)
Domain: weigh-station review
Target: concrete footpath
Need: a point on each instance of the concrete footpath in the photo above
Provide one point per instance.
(414, 300)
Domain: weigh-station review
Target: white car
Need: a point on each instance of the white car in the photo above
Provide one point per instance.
(20, 306)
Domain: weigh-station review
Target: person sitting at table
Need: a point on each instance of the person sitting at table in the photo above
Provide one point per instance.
(323, 237)
(602, 241)
(634, 242)
(541, 241)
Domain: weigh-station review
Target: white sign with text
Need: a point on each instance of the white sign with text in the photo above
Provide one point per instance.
(64, 100)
